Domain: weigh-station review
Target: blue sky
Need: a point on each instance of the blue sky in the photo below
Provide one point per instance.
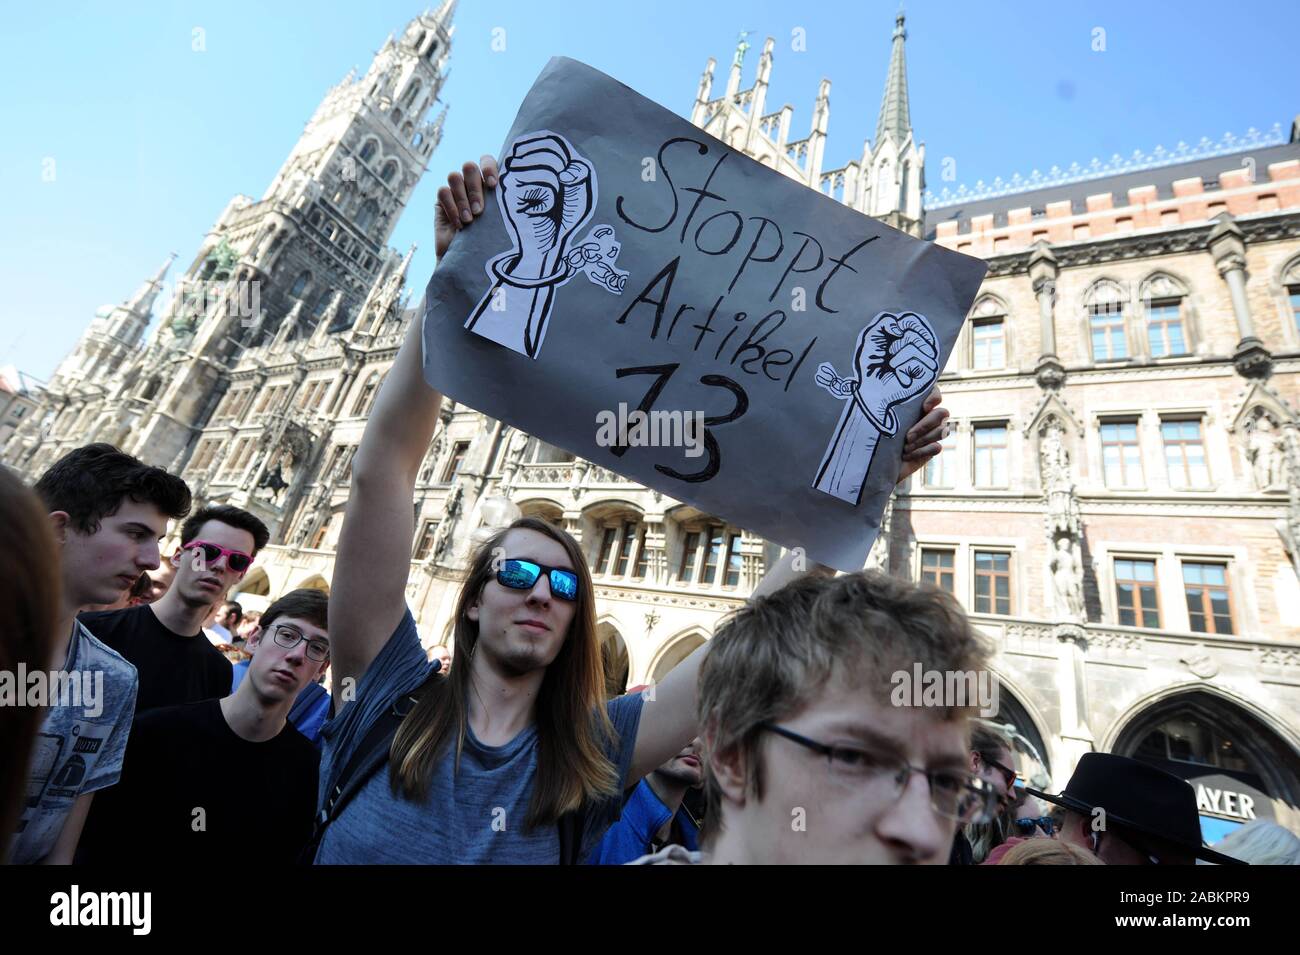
(151, 138)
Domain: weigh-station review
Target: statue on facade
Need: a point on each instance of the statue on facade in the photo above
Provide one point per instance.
(878, 557)
(1058, 482)
(1067, 579)
(1266, 453)
(450, 511)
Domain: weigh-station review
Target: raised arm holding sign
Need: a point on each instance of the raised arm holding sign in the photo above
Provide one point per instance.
(501, 694)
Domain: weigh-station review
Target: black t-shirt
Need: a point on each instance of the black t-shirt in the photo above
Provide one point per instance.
(194, 792)
(173, 668)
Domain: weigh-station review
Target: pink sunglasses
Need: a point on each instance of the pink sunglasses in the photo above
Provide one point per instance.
(236, 560)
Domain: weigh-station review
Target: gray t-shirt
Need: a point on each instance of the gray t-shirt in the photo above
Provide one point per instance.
(79, 747)
(475, 816)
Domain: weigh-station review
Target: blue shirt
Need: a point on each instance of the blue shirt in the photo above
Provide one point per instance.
(472, 816)
(631, 837)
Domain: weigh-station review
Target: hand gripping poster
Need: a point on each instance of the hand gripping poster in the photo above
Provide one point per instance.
(651, 300)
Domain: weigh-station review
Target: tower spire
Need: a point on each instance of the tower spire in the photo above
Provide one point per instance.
(895, 118)
(142, 301)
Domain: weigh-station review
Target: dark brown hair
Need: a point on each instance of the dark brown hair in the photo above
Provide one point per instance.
(91, 482)
(226, 514)
(305, 604)
(572, 724)
(29, 590)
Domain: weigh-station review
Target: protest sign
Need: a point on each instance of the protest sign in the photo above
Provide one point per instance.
(634, 278)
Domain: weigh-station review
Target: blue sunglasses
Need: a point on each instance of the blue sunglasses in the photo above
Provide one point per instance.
(523, 574)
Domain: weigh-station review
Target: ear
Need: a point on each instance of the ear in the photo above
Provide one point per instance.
(60, 521)
(175, 558)
(728, 769)
(254, 638)
(471, 612)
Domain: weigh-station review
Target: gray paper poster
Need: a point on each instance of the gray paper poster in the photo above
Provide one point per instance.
(644, 296)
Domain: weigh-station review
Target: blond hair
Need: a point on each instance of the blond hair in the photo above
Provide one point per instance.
(1041, 851)
(773, 657)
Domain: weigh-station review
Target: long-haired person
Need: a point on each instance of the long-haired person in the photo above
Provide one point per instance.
(29, 588)
(514, 757)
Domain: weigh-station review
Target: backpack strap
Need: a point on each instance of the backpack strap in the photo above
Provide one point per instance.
(373, 753)
(365, 762)
(570, 827)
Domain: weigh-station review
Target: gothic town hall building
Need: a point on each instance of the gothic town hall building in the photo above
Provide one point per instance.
(1117, 505)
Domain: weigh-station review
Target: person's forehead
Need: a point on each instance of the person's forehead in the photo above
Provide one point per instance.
(919, 734)
(141, 512)
(524, 544)
(309, 629)
(219, 532)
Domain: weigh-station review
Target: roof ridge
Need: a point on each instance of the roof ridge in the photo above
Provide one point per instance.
(1157, 158)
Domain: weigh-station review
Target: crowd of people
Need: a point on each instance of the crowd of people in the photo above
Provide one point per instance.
(325, 731)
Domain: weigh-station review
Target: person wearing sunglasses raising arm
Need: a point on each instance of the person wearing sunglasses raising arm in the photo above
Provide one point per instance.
(514, 757)
(164, 639)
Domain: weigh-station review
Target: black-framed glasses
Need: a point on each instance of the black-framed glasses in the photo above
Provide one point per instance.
(1027, 826)
(1008, 774)
(954, 794)
(522, 575)
(289, 637)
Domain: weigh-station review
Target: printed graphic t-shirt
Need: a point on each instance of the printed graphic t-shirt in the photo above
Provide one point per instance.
(473, 816)
(193, 791)
(79, 749)
(173, 668)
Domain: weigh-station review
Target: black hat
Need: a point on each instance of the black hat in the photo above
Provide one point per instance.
(1139, 797)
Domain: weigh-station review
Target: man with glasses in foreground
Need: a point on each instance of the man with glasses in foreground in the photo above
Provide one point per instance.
(164, 639)
(204, 777)
(806, 760)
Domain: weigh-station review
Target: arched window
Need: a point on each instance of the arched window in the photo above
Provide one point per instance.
(1107, 335)
(389, 171)
(621, 550)
(1164, 306)
(365, 401)
(322, 303)
(884, 179)
(902, 189)
(1288, 289)
(300, 284)
(366, 217)
(412, 93)
(417, 139)
(988, 334)
(368, 150)
(433, 51)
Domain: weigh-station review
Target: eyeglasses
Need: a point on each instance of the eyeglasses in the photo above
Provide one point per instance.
(290, 637)
(1027, 826)
(523, 574)
(1008, 774)
(954, 794)
(236, 560)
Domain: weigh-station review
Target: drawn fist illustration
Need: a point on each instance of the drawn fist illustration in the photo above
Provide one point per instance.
(546, 195)
(897, 358)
